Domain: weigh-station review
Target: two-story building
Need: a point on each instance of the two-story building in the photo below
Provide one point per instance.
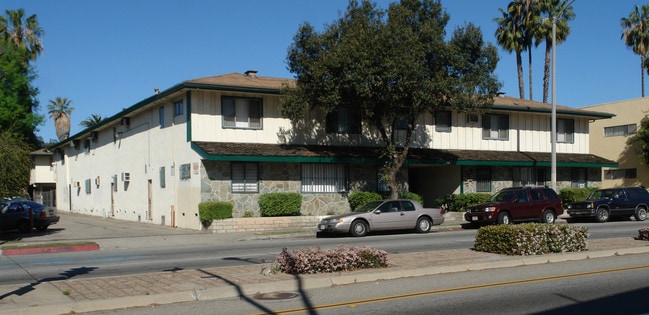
(223, 138)
(42, 183)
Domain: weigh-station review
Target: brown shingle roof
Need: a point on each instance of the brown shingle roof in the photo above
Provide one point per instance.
(243, 80)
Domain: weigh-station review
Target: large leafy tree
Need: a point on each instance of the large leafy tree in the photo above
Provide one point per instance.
(393, 66)
(15, 166)
(60, 110)
(20, 42)
(549, 9)
(635, 33)
(642, 140)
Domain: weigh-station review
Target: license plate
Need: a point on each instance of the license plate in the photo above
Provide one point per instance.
(322, 227)
(474, 218)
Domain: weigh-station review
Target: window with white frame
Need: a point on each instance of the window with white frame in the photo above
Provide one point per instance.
(239, 112)
(565, 130)
(324, 178)
(345, 120)
(245, 177)
(495, 127)
(622, 130)
(178, 108)
(443, 121)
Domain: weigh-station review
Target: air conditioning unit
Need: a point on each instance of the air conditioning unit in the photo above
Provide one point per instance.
(472, 118)
(97, 181)
(76, 185)
(126, 177)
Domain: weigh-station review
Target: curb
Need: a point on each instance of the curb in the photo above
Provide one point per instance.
(48, 249)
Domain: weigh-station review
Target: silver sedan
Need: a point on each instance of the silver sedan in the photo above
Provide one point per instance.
(382, 215)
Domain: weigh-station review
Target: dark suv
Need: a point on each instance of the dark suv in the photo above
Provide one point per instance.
(517, 204)
(612, 202)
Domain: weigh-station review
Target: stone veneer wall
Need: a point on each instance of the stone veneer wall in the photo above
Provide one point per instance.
(280, 177)
(260, 224)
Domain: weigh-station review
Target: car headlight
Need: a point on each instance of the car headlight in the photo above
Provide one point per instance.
(590, 205)
(489, 209)
(569, 207)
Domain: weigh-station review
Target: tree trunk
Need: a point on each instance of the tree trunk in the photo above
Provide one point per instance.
(529, 60)
(519, 67)
(62, 125)
(546, 71)
(642, 73)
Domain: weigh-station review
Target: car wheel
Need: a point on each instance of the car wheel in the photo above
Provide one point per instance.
(359, 228)
(504, 218)
(548, 216)
(640, 214)
(42, 227)
(23, 226)
(601, 215)
(423, 225)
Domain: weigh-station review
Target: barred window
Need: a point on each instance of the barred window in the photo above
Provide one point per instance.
(620, 173)
(324, 178)
(483, 179)
(245, 177)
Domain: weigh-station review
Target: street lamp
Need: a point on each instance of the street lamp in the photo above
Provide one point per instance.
(553, 168)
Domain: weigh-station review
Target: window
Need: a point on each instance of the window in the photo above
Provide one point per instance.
(345, 120)
(402, 123)
(495, 127)
(245, 177)
(324, 178)
(620, 173)
(241, 112)
(178, 108)
(88, 185)
(86, 145)
(161, 116)
(483, 179)
(565, 130)
(578, 177)
(163, 182)
(620, 130)
(443, 121)
(114, 183)
(185, 171)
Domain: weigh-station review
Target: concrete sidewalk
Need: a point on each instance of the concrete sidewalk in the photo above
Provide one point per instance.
(92, 294)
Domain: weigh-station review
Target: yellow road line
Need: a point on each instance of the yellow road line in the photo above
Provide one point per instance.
(353, 304)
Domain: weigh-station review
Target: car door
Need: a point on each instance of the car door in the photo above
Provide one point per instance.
(521, 208)
(390, 216)
(11, 214)
(409, 215)
(618, 203)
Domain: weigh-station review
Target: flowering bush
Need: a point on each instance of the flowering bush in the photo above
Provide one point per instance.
(531, 239)
(316, 260)
(643, 234)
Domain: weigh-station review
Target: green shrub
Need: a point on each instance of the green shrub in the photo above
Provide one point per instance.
(358, 198)
(411, 195)
(459, 202)
(214, 210)
(343, 258)
(569, 195)
(280, 204)
(531, 239)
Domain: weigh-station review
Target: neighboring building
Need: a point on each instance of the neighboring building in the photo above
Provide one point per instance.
(609, 140)
(223, 138)
(42, 181)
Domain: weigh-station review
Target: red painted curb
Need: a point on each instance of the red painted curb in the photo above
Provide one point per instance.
(49, 249)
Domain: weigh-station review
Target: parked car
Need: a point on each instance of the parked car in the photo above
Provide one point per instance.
(384, 215)
(613, 202)
(14, 214)
(517, 204)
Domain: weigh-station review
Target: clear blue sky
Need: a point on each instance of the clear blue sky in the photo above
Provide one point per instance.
(106, 55)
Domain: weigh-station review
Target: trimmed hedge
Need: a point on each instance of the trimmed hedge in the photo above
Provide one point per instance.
(279, 204)
(531, 239)
(459, 202)
(411, 195)
(214, 210)
(358, 198)
(643, 234)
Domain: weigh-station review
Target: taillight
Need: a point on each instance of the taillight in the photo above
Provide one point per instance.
(43, 214)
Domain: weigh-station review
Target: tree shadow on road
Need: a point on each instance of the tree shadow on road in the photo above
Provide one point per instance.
(65, 275)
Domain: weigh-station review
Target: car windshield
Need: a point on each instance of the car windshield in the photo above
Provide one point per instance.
(601, 194)
(369, 206)
(502, 196)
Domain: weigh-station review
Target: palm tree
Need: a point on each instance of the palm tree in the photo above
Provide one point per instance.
(23, 33)
(60, 111)
(509, 36)
(635, 34)
(91, 121)
(548, 10)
